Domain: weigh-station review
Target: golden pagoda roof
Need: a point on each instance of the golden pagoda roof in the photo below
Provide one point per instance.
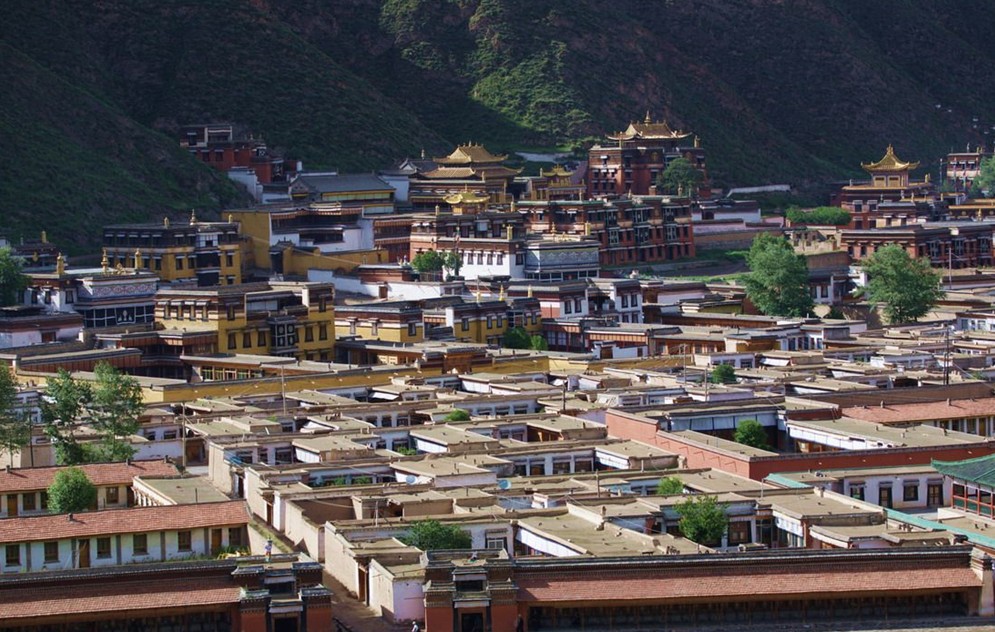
(466, 197)
(890, 162)
(556, 171)
(466, 173)
(649, 129)
(470, 154)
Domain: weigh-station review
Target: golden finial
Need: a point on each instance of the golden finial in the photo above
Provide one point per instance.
(436, 209)
(231, 218)
(501, 296)
(649, 119)
(478, 294)
(927, 177)
(193, 217)
(138, 259)
(587, 229)
(511, 232)
(697, 142)
(529, 292)
(423, 153)
(104, 263)
(165, 221)
(44, 237)
(60, 265)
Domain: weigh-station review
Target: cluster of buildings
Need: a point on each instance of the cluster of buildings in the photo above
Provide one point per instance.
(311, 396)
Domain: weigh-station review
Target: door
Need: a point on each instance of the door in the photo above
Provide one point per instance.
(11, 505)
(471, 622)
(884, 494)
(83, 553)
(215, 541)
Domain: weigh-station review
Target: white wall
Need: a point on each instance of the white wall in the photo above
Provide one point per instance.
(396, 599)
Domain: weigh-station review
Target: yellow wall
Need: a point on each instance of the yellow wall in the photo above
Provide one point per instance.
(255, 226)
(387, 332)
(297, 262)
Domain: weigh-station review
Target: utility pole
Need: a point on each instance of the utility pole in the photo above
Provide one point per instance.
(946, 356)
(283, 389)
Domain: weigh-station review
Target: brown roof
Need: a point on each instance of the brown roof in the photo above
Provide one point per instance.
(100, 474)
(923, 411)
(113, 521)
(90, 597)
(711, 586)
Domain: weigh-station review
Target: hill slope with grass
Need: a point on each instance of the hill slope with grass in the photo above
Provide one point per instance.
(797, 92)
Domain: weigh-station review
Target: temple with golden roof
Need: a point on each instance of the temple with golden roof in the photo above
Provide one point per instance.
(631, 160)
(890, 182)
(470, 167)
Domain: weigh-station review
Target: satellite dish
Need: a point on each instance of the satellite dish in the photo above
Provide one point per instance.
(410, 479)
(504, 484)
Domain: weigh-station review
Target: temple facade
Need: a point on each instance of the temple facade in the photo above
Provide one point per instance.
(469, 167)
(890, 182)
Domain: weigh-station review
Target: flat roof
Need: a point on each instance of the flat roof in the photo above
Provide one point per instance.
(873, 433)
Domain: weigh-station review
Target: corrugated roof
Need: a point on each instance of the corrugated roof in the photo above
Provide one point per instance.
(980, 470)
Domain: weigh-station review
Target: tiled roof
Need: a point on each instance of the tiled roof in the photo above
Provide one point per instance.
(100, 474)
(980, 470)
(114, 521)
(91, 597)
(711, 586)
(923, 411)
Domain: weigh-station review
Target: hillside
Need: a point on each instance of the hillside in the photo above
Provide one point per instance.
(795, 92)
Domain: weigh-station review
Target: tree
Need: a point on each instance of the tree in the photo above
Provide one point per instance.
(61, 408)
(778, 279)
(15, 426)
(428, 261)
(432, 535)
(751, 432)
(680, 176)
(538, 343)
(12, 280)
(907, 287)
(984, 182)
(519, 338)
(702, 520)
(114, 411)
(723, 374)
(457, 415)
(819, 216)
(451, 261)
(71, 491)
(669, 486)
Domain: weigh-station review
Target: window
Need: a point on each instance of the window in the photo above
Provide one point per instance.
(261, 338)
(103, 547)
(496, 541)
(739, 532)
(12, 555)
(230, 312)
(140, 544)
(490, 322)
(235, 536)
(375, 328)
(183, 541)
(231, 341)
(246, 339)
(911, 492)
(323, 332)
(179, 262)
(465, 324)
(625, 300)
(857, 491)
(229, 259)
(412, 329)
(934, 494)
(309, 334)
(577, 304)
(113, 497)
(352, 327)
(568, 307)
(44, 500)
(51, 552)
(28, 502)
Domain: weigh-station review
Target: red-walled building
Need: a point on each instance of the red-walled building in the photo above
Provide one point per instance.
(225, 147)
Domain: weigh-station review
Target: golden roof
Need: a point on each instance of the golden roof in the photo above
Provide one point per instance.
(556, 171)
(890, 162)
(649, 129)
(466, 197)
(465, 173)
(470, 154)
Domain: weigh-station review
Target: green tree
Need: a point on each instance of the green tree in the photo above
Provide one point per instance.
(702, 520)
(984, 182)
(457, 415)
(907, 287)
(114, 411)
(12, 280)
(723, 374)
(669, 486)
(15, 426)
(432, 535)
(451, 261)
(61, 409)
(778, 279)
(538, 343)
(516, 338)
(680, 176)
(428, 261)
(751, 432)
(71, 491)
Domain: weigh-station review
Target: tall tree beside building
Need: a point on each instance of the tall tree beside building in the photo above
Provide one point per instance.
(680, 177)
(702, 520)
(751, 432)
(12, 280)
(778, 280)
(111, 404)
(907, 287)
(15, 426)
(428, 261)
(71, 491)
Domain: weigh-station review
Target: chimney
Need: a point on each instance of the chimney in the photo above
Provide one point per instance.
(69, 517)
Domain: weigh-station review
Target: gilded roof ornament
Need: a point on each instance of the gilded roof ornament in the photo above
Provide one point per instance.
(890, 162)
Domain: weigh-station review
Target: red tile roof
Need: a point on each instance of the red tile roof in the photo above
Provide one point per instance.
(923, 411)
(114, 521)
(643, 587)
(91, 597)
(100, 474)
